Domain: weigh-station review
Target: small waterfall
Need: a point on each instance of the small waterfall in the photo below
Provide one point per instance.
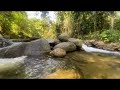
(12, 68)
(12, 60)
(91, 49)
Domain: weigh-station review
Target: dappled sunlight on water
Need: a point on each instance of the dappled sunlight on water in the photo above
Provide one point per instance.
(64, 74)
(102, 66)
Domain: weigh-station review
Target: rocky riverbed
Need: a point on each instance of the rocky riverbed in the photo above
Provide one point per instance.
(62, 58)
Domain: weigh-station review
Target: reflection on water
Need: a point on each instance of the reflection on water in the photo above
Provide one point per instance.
(102, 66)
(64, 74)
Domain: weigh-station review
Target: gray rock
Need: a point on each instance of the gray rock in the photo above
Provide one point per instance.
(12, 51)
(63, 37)
(67, 46)
(2, 52)
(37, 47)
(16, 50)
(58, 52)
(77, 42)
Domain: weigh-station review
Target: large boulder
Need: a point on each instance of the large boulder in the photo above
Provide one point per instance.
(37, 47)
(63, 37)
(58, 52)
(15, 50)
(67, 46)
(77, 42)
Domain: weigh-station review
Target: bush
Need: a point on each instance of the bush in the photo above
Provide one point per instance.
(110, 35)
(93, 35)
(105, 35)
(117, 24)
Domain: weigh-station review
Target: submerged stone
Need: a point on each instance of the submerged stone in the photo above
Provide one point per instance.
(64, 74)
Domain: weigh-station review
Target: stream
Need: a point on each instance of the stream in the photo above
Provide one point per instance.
(92, 63)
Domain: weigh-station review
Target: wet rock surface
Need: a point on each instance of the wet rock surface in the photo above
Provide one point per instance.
(77, 42)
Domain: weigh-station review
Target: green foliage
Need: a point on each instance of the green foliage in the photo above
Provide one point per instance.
(90, 25)
(93, 35)
(5, 21)
(81, 23)
(84, 25)
(17, 25)
(110, 35)
(105, 35)
(117, 24)
(12, 23)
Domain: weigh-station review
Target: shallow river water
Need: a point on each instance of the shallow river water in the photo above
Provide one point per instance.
(75, 65)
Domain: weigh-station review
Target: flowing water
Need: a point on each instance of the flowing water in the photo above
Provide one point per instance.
(92, 64)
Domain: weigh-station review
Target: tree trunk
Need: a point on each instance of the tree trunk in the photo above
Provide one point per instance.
(112, 23)
(94, 20)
